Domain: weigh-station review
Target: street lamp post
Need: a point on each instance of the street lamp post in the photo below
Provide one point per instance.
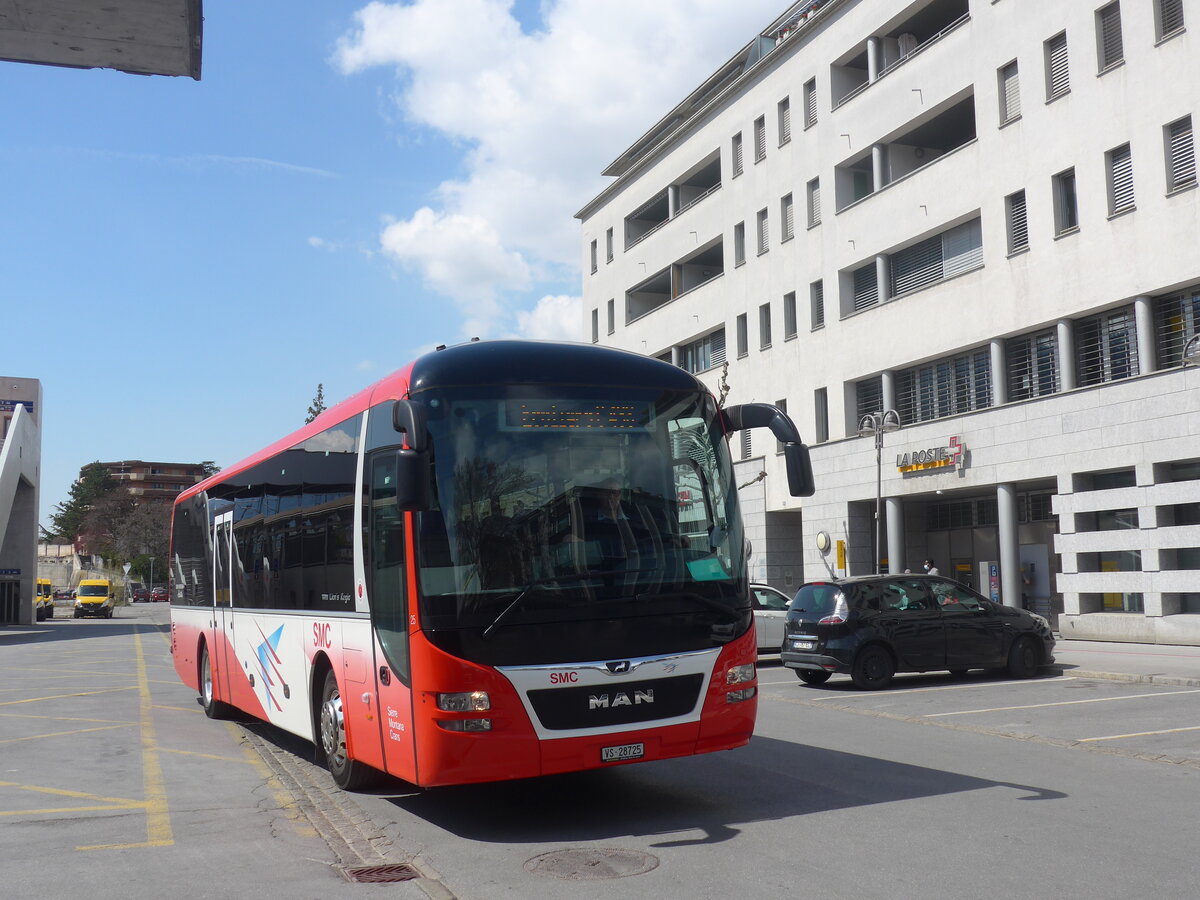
(151, 587)
(876, 425)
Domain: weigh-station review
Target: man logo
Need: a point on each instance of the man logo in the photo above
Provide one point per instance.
(618, 668)
(620, 699)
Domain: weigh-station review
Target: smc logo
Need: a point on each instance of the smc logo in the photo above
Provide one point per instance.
(564, 677)
(321, 635)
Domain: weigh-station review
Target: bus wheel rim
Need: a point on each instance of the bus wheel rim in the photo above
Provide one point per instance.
(333, 729)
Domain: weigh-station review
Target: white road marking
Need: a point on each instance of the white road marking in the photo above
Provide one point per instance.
(969, 712)
(865, 695)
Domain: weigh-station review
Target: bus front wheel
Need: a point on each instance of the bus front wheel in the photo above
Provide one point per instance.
(348, 773)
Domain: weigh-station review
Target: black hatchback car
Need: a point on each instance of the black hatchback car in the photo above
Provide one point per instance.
(872, 627)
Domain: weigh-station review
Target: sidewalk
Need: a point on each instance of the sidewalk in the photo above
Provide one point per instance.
(1154, 663)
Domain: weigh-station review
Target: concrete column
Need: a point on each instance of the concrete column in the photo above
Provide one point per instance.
(999, 374)
(887, 381)
(1066, 355)
(879, 165)
(894, 507)
(874, 58)
(676, 356)
(672, 200)
(1143, 315)
(1010, 552)
(883, 277)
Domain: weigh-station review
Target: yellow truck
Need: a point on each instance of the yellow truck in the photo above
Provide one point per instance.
(44, 601)
(94, 597)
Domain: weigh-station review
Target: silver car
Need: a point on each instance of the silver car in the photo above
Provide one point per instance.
(770, 615)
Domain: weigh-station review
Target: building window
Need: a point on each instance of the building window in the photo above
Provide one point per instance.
(1058, 76)
(1168, 18)
(868, 397)
(785, 120)
(763, 232)
(747, 447)
(739, 243)
(1032, 364)
(743, 336)
(1106, 347)
(737, 154)
(704, 353)
(866, 286)
(782, 406)
(1109, 49)
(764, 326)
(612, 316)
(816, 297)
(1017, 223)
(1177, 320)
(760, 139)
(937, 258)
(789, 315)
(608, 245)
(1066, 214)
(947, 387)
(785, 217)
(595, 326)
(1118, 164)
(814, 202)
(593, 257)
(810, 103)
(1010, 93)
(1181, 155)
(821, 410)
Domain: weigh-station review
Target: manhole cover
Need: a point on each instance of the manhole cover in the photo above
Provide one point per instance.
(381, 874)
(589, 865)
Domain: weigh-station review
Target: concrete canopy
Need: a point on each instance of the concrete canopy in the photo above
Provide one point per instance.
(142, 37)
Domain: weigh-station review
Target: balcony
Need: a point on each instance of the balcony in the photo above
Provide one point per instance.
(676, 280)
(675, 199)
(921, 144)
(880, 55)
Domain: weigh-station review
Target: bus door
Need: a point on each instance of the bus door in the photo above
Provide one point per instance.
(221, 637)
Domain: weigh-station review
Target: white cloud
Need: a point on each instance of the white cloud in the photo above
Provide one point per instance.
(538, 114)
(555, 318)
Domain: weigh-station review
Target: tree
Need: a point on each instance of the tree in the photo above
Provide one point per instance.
(103, 522)
(208, 468)
(318, 405)
(67, 520)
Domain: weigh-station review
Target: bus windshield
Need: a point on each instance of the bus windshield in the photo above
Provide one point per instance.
(591, 503)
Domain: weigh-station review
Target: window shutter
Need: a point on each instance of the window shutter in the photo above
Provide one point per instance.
(764, 238)
(1018, 225)
(810, 103)
(737, 154)
(788, 217)
(962, 248)
(717, 343)
(1106, 347)
(760, 139)
(1121, 175)
(1010, 92)
(1170, 17)
(746, 446)
(866, 287)
(869, 397)
(1111, 50)
(785, 121)
(1060, 77)
(1177, 320)
(917, 266)
(1182, 157)
(814, 202)
(818, 304)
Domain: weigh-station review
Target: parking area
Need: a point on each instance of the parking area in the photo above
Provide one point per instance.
(1146, 720)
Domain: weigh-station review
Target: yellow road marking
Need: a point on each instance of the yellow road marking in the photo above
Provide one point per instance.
(158, 817)
(187, 709)
(103, 803)
(62, 696)
(1117, 737)
(283, 800)
(38, 737)
(204, 755)
(63, 718)
(968, 712)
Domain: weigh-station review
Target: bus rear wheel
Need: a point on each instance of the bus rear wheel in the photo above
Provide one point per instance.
(348, 773)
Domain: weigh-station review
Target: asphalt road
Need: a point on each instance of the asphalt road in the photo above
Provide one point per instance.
(1062, 786)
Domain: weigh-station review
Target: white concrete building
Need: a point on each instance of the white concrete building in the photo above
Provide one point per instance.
(981, 214)
(20, 467)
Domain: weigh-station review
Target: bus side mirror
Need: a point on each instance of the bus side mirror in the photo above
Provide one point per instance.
(412, 480)
(410, 417)
(795, 452)
(799, 470)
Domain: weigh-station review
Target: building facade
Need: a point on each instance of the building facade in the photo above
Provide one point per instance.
(980, 214)
(147, 481)
(20, 475)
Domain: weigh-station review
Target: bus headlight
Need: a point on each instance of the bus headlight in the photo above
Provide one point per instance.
(740, 674)
(475, 725)
(739, 696)
(469, 701)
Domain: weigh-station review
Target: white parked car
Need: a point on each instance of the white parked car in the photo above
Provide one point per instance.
(770, 615)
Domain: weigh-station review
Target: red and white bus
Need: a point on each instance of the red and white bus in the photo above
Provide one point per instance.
(422, 581)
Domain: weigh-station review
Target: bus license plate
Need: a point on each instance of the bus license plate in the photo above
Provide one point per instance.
(623, 752)
(802, 645)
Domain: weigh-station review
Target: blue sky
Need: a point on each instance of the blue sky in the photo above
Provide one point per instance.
(349, 184)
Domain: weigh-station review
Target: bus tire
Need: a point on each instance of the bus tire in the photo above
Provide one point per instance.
(213, 708)
(348, 773)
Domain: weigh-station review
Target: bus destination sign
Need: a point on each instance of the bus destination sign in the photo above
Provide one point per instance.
(577, 415)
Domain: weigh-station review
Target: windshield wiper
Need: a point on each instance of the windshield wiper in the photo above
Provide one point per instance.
(539, 582)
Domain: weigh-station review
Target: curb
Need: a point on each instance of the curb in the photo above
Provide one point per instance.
(1128, 677)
